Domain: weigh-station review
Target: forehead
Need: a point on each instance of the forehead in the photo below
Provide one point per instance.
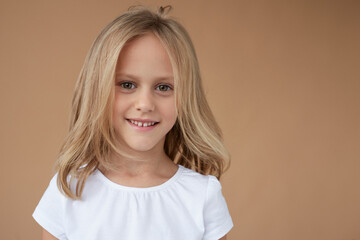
(144, 55)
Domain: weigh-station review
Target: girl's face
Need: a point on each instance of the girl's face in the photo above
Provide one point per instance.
(144, 106)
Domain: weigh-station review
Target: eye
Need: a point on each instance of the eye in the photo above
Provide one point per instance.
(127, 85)
(164, 88)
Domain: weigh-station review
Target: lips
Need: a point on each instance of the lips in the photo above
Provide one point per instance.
(139, 126)
(144, 123)
(142, 120)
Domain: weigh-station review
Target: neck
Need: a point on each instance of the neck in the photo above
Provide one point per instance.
(145, 164)
(142, 165)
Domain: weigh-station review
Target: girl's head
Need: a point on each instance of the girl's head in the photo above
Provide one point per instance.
(193, 138)
(144, 105)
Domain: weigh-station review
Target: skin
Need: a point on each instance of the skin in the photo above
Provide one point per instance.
(47, 236)
(143, 89)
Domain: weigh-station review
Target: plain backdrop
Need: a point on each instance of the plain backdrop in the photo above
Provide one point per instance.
(282, 78)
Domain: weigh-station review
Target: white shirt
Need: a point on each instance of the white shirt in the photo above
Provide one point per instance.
(189, 206)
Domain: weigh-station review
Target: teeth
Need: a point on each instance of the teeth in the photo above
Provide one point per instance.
(140, 124)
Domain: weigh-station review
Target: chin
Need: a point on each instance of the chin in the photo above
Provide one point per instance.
(141, 147)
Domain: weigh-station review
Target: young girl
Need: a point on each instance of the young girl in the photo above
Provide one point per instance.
(143, 154)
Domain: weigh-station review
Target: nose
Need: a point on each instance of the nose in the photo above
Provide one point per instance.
(145, 102)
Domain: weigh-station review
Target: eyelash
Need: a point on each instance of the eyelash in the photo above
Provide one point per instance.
(122, 85)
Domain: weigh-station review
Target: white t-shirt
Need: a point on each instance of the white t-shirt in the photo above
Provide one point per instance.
(189, 206)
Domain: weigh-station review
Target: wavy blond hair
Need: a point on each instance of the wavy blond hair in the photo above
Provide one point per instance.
(195, 141)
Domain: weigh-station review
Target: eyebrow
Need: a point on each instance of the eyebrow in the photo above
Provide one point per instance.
(162, 78)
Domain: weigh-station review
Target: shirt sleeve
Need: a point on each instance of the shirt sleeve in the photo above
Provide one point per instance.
(217, 218)
(49, 213)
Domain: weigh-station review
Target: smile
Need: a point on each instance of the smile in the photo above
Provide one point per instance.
(141, 124)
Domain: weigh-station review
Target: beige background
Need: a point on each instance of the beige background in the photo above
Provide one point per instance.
(282, 78)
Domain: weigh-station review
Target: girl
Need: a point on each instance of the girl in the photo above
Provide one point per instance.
(143, 154)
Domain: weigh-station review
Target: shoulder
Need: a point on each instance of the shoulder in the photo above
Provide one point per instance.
(199, 182)
(54, 188)
(196, 177)
(53, 193)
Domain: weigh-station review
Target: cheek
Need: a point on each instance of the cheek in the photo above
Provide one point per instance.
(120, 104)
(118, 111)
(169, 111)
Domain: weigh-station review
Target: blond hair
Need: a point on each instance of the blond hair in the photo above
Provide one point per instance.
(195, 141)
